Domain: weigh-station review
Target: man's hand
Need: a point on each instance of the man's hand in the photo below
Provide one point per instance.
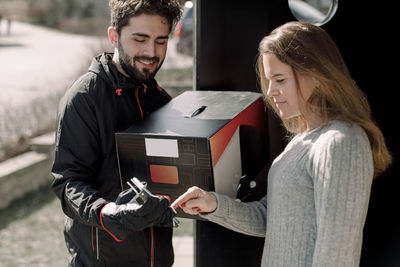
(195, 200)
(125, 214)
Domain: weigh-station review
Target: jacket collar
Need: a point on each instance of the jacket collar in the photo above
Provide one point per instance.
(103, 66)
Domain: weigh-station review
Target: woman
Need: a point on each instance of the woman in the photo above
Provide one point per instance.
(319, 186)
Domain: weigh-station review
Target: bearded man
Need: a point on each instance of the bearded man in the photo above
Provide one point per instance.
(103, 226)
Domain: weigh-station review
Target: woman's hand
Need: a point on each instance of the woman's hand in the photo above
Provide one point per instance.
(195, 200)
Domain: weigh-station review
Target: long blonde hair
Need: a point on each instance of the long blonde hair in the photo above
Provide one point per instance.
(309, 50)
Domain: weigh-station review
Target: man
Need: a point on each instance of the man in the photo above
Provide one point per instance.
(104, 227)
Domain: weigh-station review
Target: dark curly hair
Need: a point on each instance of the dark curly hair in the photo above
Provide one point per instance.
(123, 10)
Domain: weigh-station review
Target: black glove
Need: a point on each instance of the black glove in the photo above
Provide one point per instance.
(246, 184)
(126, 214)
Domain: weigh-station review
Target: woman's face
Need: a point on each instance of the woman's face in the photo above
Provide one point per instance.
(283, 88)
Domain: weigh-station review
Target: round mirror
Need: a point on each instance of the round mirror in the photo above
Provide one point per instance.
(317, 12)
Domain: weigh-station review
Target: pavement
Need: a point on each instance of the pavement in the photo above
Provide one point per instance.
(37, 65)
(37, 60)
(183, 248)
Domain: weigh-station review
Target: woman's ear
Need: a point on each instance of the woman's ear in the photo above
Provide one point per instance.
(113, 36)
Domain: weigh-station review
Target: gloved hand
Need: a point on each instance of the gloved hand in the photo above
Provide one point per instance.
(126, 214)
(246, 184)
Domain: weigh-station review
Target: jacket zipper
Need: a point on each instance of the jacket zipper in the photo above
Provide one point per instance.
(97, 242)
(152, 246)
(138, 102)
(151, 228)
(141, 115)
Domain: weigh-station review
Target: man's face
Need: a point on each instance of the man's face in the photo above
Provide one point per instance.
(142, 46)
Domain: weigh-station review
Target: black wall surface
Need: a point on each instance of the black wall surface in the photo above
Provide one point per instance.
(227, 37)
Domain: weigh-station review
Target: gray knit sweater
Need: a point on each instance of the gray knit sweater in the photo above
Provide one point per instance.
(316, 203)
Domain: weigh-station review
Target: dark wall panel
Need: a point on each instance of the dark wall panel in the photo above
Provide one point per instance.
(228, 33)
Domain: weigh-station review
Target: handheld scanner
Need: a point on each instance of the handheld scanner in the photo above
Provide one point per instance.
(142, 193)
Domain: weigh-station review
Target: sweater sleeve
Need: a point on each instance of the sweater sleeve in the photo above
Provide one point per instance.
(244, 217)
(342, 170)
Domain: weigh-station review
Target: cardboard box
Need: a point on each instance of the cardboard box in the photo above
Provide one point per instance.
(197, 139)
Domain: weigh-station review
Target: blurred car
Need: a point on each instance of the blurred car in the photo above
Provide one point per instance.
(184, 31)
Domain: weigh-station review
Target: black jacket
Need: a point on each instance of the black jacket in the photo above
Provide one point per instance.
(85, 169)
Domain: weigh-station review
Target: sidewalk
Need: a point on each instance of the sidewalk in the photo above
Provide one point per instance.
(37, 66)
(183, 247)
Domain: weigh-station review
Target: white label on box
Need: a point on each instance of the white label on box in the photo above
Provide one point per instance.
(161, 147)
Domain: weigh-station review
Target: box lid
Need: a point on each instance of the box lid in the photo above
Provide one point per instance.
(195, 113)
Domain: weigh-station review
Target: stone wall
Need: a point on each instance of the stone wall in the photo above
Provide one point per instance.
(27, 172)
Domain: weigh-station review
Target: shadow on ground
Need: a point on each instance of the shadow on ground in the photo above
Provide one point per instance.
(25, 206)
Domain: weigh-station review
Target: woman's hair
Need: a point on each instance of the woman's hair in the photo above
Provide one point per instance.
(310, 51)
(123, 10)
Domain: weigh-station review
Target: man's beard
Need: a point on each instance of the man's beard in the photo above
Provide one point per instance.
(128, 65)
